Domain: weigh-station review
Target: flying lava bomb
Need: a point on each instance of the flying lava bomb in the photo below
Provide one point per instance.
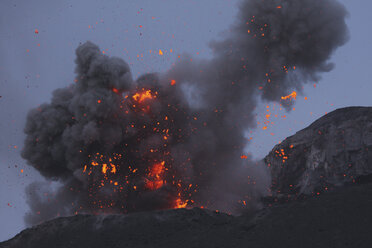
(175, 139)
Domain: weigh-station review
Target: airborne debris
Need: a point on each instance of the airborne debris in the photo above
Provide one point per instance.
(291, 96)
(119, 145)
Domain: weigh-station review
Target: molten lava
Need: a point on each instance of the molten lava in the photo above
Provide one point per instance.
(293, 95)
(179, 203)
(140, 97)
(155, 180)
(119, 175)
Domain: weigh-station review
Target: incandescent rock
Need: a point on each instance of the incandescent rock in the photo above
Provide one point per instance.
(334, 150)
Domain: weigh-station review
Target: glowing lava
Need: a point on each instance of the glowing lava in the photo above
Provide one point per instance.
(140, 97)
(180, 204)
(293, 95)
(155, 175)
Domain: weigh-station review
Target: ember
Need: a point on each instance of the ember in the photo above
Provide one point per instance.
(293, 95)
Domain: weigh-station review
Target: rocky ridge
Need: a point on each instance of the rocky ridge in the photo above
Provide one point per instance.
(334, 150)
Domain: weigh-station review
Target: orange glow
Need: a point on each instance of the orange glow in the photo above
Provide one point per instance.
(154, 185)
(113, 168)
(36, 31)
(160, 52)
(279, 7)
(243, 157)
(104, 168)
(157, 169)
(115, 90)
(173, 82)
(155, 175)
(293, 95)
(180, 204)
(140, 97)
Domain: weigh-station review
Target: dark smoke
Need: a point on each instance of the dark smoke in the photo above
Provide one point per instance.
(195, 127)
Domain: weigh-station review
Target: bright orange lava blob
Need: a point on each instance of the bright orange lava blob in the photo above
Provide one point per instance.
(155, 175)
(293, 95)
(180, 204)
(140, 97)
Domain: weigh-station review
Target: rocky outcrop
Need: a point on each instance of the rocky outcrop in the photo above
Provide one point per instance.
(334, 150)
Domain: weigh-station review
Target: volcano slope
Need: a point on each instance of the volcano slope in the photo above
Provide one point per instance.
(334, 150)
(333, 211)
(341, 218)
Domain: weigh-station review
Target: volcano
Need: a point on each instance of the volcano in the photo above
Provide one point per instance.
(337, 217)
(114, 144)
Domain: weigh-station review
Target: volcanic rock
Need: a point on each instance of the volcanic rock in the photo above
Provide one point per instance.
(341, 218)
(334, 150)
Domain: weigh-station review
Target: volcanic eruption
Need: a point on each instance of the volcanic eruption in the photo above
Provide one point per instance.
(176, 139)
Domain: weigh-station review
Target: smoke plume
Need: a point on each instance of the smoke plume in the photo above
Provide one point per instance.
(119, 145)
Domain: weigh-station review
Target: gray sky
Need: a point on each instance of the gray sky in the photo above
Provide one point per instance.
(33, 65)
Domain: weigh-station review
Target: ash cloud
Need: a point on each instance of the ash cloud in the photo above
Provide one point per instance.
(183, 141)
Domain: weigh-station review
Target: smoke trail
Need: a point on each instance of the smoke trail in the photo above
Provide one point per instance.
(167, 140)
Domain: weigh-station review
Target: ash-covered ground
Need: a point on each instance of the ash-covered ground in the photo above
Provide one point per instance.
(338, 219)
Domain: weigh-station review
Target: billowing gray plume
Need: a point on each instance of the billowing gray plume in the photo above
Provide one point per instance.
(117, 145)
